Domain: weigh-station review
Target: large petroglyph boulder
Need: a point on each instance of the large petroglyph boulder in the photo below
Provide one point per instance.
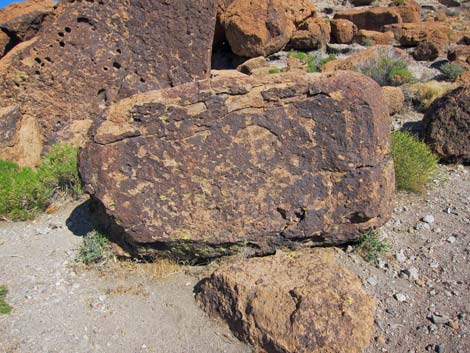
(201, 169)
(94, 53)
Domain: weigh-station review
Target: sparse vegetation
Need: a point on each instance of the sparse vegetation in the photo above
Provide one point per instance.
(95, 248)
(26, 192)
(274, 70)
(415, 164)
(4, 307)
(371, 247)
(425, 93)
(387, 71)
(451, 71)
(314, 63)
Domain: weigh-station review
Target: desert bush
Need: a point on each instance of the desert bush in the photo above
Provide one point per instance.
(451, 71)
(387, 71)
(370, 247)
(415, 164)
(274, 70)
(95, 248)
(425, 93)
(314, 63)
(4, 307)
(26, 192)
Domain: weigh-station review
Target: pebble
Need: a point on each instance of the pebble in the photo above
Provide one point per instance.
(43, 231)
(451, 239)
(400, 297)
(429, 219)
(422, 226)
(372, 281)
(439, 319)
(400, 256)
(412, 273)
(440, 348)
(432, 328)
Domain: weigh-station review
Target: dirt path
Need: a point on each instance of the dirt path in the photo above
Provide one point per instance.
(59, 307)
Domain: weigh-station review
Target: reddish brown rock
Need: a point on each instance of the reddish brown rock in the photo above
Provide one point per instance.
(200, 169)
(372, 19)
(219, 35)
(22, 20)
(394, 99)
(249, 66)
(411, 34)
(460, 54)
(365, 37)
(313, 34)
(93, 54)
(343, 31)
(410, 11)
(261, 28)
(4, 43)
(426, 51)
(296, 302)
(447, 125)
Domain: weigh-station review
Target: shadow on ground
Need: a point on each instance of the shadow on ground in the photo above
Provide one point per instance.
(80, 221)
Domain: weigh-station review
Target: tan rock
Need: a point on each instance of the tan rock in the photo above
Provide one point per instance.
(459, 53)
(394, 99)
(343, 31)
(295, 302)
(226, 73)
(252, 64)
(365, 37)
(261, 28)
(265, 160)
(464, 78)
(410, 11)
(372, 19)
(313, 34)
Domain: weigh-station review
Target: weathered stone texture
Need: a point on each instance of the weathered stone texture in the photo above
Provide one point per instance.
(262, 160)
(447, 125)
(95, 53)
(372, 19)
(297, 302)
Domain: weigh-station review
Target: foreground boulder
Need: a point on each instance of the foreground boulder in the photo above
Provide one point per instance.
(447, 126)
(21, 21)
(93, 54)
(261, 28)
(300, 302)
(199, 170)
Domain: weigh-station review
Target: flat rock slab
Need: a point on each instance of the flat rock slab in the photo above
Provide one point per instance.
(94, 53)
(202, 169)
(297, 302)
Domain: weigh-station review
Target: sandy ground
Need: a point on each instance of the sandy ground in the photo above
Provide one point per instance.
(64, 308)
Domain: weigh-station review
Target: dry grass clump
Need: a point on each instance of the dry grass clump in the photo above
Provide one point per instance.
(425, 93)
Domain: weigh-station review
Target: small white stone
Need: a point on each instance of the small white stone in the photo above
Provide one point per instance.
(429, 219)
(400, 297)
(451, 239)
(372, 281)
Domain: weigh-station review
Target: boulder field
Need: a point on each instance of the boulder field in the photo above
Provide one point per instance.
(203, 169)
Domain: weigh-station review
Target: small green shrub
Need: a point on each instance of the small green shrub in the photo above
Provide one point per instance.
(451, 71)
(59, 170)
(370, 247)
(387, 71)
(415, 164)
(423, 94)
(5, 309)
(26, 192)
(95, 248)
(314, 63)
(274, 70)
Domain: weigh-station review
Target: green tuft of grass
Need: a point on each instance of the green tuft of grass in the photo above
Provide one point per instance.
(26, 192)
(314, 63)
(415, 163)
(370, 247)
(95, 248)
(451, 71)
(274, 70)
(387, 71)
(5, 309)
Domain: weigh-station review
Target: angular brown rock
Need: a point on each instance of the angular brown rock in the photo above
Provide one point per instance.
(343, 31)
(92, 54)
(426, 51)
(198, 170)
(447, 125)
(372, 19)
(365, 37)
(313, 34)
(297, 302)
(261, 28)
(411, 34)
(410, 11)
(460, 54)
